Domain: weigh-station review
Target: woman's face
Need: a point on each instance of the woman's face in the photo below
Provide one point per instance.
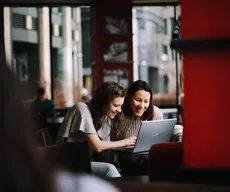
(139, 102)
(115, 107)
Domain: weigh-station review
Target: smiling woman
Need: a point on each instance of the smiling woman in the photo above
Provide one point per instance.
(115, 107)
(95, 121)
(138, 106)
(139, 102)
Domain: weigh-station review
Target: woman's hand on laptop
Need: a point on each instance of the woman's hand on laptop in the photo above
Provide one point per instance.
(130, 141)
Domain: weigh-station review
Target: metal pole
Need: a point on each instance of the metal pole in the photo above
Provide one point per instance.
(177, 76)
(51, 45)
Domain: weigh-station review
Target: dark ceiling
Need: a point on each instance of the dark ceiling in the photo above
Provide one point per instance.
(82, 2)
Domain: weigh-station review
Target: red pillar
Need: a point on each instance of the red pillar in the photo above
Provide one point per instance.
(206, 85)
(109, 63)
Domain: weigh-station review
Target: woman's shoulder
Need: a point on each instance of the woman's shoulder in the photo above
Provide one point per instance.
(156, 108)
(82, 107)
(83, 182)
(157, 113)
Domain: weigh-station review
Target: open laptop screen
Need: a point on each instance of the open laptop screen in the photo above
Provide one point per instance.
(152, 132)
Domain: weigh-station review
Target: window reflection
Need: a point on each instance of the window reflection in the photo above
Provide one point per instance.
(153, 57)
(24, 35)
(65, 51)
(43, 47)
(46, 47)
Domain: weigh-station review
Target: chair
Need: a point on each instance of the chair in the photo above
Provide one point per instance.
(43, 137)
(136, 186)
(165, 160)
(166, 164)
(53, 129)
(73, 157)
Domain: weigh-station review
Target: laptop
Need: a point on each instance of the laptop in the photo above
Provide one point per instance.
(152, 132)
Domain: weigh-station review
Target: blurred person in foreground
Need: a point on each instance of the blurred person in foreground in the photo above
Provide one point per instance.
(22, 168)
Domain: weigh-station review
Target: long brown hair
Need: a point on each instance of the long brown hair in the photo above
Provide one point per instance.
(21, 168)
(133, 88)
(99, 104)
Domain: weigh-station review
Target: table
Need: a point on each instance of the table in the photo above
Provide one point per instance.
(139, 178)
(54, 120)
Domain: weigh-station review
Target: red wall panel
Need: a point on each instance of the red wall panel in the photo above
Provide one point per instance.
(206, 86)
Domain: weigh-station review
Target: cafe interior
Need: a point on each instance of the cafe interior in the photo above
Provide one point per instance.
(185, 51)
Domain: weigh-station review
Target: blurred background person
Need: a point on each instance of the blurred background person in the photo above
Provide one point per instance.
(85, 98)
(43, 106)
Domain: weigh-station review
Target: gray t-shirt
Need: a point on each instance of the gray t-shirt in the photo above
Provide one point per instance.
(79, 118)
(105, 130)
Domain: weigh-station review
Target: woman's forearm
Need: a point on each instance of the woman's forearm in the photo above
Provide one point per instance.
(106, 145)
(100, 146)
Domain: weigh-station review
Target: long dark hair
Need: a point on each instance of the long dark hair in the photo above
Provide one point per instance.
(21, 168)
(133, 88)
(99, 104)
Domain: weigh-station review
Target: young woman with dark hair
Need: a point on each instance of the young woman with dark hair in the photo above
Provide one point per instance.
(138, 106)
(95, 121)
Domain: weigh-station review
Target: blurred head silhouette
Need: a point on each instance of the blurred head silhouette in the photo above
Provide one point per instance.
(41, 93)
(21, 169)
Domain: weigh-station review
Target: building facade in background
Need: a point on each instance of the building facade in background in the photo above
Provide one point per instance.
(44, 48)
(154, 60)
(51, 47)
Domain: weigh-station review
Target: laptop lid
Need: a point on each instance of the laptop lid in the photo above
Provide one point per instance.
(152, 132)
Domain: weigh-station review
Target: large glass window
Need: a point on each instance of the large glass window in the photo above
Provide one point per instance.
(22, 32)
(152, 29)
(44, 48)
(52, 47)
